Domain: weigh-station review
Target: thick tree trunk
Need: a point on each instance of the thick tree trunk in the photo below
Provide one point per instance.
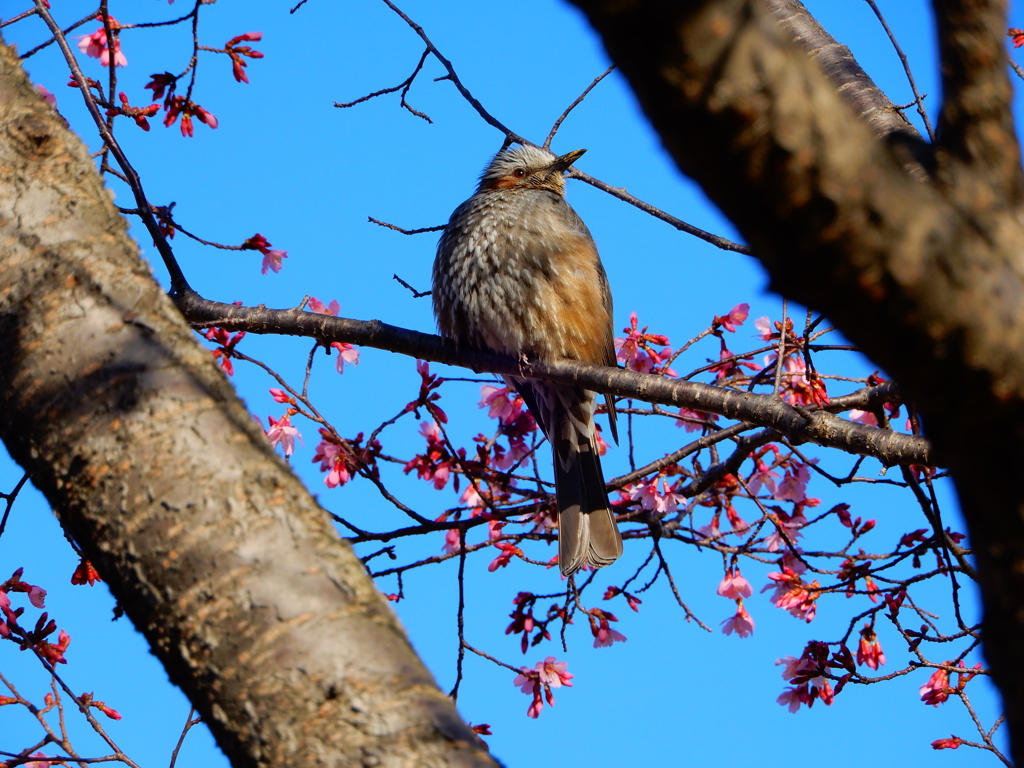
(924, 273)
(214, 549)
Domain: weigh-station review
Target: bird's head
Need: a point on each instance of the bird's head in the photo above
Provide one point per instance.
(527, 167)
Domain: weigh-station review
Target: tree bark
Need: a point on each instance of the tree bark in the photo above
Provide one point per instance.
(926, 277)
(217, 553)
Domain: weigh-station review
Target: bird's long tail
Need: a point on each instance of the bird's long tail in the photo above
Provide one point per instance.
(587, 533)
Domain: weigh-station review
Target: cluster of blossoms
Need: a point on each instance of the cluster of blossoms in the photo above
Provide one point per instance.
(539, 681)
(273, 260)
(10, 627)
(163, 85)
(96, 45)
(636, 351)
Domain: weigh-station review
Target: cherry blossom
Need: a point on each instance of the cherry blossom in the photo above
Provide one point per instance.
(787, 530)
(48, 97)
(1017, 35)
(318, 307)
(869, 651)
(763, 476)
(793, 594)
(282, 433)
(695, 421)
(937, 689)
(85, 573)
(635, 350)
(794, 485)
(542, 678)
(347, 354)
(737, 315)
(501, 402)
(741, 623)
(734, 585)
(333, 459)
(604, 635)
(508, 551)
(95, 45)
(452, 542)
(864, 417)
(652, 499)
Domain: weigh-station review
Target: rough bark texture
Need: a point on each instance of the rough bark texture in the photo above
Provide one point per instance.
(926, 277)
(213, 547)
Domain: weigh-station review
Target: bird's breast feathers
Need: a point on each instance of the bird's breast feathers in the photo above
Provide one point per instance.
(514, 275)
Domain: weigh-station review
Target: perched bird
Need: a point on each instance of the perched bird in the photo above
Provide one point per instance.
(517, 272)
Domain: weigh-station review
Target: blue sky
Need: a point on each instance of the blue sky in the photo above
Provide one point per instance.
(284, 162)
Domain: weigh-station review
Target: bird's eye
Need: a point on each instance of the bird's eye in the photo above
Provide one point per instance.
(519, 173)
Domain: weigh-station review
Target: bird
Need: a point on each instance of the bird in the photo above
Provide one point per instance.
(517, 272)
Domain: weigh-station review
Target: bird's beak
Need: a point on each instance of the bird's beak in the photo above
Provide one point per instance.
(563, 163)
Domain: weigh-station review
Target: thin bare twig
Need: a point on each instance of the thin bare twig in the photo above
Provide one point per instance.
(571, 107)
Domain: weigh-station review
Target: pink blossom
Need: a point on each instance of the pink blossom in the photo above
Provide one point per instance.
(694, 421)
(734, 585)
(471, 498)
(869, 651)
(794, 485)
(634, 351)
(554, 673)
(282, 433)
(37, 596)
(792, 698)
(320, 308)
(653, 500)
(432, 431)
(48, 97)
(739, 525)
(604, 635)
(332, 457)
(737, 315)
(937, 689)
(953, 742)
(790, 525)
(280, 396)
(346, 354)
(825, 692)
(741, 623)
(500, 402)
(273, 261)
(452, 543)
(508, 551)
(95, 46)
(792, 666)
(864, 417)
(793, 594)
(540, 680)
(763, 476)
(710, 531)
(791, 561)
(517, 451)
(764, 330)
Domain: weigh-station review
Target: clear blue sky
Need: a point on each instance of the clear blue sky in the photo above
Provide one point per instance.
(284, 162)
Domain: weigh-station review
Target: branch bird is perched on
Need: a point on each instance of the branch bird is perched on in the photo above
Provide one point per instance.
(517, 272)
